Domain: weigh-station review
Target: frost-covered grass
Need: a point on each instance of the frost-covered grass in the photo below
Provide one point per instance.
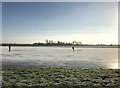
(52, 77)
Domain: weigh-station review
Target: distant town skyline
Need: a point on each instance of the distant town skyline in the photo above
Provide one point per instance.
(87, 22)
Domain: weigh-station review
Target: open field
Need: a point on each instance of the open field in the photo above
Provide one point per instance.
(52, 77)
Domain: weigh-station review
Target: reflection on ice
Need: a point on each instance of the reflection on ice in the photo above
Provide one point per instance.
(114, 66)
(61, 56)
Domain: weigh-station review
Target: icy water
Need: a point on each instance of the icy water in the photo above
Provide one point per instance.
(60, 56)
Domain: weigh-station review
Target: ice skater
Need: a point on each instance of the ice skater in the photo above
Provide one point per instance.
(9, 48)
(73, 48)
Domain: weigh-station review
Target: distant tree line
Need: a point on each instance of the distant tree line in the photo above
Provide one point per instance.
(58, 43)
(47, 43)
(55, 43)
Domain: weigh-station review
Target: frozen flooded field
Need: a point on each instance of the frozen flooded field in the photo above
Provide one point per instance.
(60, 56)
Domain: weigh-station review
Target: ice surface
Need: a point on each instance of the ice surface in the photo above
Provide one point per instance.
(60, 56)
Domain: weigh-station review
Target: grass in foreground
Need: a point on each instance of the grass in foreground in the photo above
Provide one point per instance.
(34, 77)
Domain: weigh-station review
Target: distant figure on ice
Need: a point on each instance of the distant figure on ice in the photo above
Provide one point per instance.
(9, 48)
(73, 48)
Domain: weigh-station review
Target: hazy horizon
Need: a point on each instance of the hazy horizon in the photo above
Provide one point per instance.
(87, 22)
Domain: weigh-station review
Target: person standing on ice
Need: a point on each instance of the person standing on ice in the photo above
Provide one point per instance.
(73, 48)
(9, 48)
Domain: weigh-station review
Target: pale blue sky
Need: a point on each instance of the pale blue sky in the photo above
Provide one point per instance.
(60, 1)
(88, 22)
